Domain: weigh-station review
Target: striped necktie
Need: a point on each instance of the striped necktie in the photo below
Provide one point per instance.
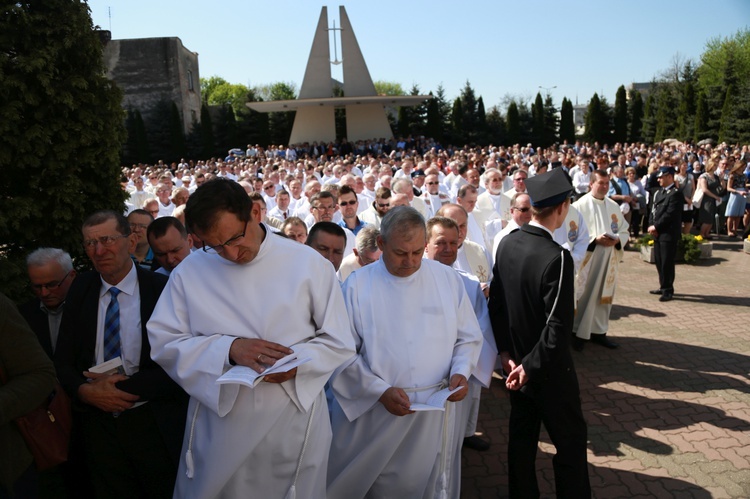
(112, 326)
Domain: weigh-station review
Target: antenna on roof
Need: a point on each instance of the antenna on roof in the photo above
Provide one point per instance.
(109, 10)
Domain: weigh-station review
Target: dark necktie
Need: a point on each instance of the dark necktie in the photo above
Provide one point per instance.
(112, 326)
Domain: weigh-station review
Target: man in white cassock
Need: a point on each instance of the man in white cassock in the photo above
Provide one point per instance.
(608, 234)
(271, 440)
(428, 340)
(442, 245)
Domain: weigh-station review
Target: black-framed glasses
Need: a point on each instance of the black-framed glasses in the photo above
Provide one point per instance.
(522, 210)
(106, 241)
(383, 205)
(348, 203)
(134, 226)
(50, 286)
(219, 248)
(325, 208)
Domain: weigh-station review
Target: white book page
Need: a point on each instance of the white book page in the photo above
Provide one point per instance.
(436, 402)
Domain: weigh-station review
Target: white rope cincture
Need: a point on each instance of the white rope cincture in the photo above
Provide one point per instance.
(189, 465)
(292, 493)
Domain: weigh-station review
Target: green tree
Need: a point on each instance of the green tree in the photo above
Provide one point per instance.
(649, 119)
(457, 116)
(481, 134)
(61, 131)
(404, 121)
(513, 119)
(635, 112)
(666, 112)
(434, 125)
(469, 120)
(208, 140)
(135, 149)
(567, 122)
(620, 133)
(388, 88)
(551, 121)
(726, 117)
(720, 52)
(597, 121)
(495, 126)
(444, 107)
(700, 129)
(279, 124)
(537, 126)
(176, 134)
(208, 85)
(418, 113)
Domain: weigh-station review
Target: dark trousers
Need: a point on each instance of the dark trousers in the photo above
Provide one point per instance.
(636, 221)
(560, 411)
(126, 455)
(664, 254)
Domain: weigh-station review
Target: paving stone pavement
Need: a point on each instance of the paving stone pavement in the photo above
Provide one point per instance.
(668, 412)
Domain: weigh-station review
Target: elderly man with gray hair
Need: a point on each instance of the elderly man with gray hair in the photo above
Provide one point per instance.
(393, 433)
(50, 275)
(365, 252)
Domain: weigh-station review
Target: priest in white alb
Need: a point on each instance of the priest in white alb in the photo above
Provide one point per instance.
(218, 311)
(608, 235)
(416, 334)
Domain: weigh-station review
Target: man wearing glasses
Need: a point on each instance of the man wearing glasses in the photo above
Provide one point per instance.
(375, 213)
(348, 204)
(130, 421)
(273, 439)
(50, 274)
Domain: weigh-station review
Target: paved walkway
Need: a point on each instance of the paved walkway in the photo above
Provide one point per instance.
(668, 412)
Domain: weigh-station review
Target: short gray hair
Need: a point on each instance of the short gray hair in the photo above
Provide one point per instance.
(396, 186)
(367, 239)
(401, 219)
(43, 256)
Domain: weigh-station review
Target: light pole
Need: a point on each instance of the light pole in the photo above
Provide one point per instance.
(548, 89)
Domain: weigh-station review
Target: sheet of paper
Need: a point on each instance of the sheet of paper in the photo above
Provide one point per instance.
(112, 366)
(436, 402)
(247, 376)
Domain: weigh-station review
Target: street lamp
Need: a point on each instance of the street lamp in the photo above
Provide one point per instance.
(548, 89)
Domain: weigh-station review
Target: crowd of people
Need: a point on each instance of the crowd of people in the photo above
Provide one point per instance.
(388, 273)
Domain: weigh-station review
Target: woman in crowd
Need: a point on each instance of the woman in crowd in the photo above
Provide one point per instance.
(737, 198)
(712, 186)
(639, 204)
(686, 183)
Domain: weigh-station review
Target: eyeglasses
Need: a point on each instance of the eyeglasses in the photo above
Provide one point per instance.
(268, 188)
(106, 241)
(325, 208)
(162, 191)
(383, 205)
(140, 226)
(153, 212)
(348, 203)
(50, 285)
(432, 183)
(522, 210)
(219, 248)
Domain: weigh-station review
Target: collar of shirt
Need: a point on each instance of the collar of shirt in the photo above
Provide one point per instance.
(126, 285)
(537, 224)
(50, 311)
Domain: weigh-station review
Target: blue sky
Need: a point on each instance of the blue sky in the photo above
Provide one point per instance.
(502, 47)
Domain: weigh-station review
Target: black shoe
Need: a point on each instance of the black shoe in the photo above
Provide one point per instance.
(666, 297)
(602, 340)
(657, 292)
(578, 344)
(476, 443)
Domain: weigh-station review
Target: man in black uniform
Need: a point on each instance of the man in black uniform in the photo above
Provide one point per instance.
(665, 224)
(531, 308)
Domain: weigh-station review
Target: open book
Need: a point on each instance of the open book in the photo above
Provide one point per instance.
(247, 376)
(436, 402)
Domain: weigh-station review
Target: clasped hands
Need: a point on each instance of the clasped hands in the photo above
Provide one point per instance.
(517, 376)
(258, 354)
(396, 401)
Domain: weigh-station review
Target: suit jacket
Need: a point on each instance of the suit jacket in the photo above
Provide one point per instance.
(666, 214)
(76, 347)
(31, 377)
(39, 323)
(527, 288)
